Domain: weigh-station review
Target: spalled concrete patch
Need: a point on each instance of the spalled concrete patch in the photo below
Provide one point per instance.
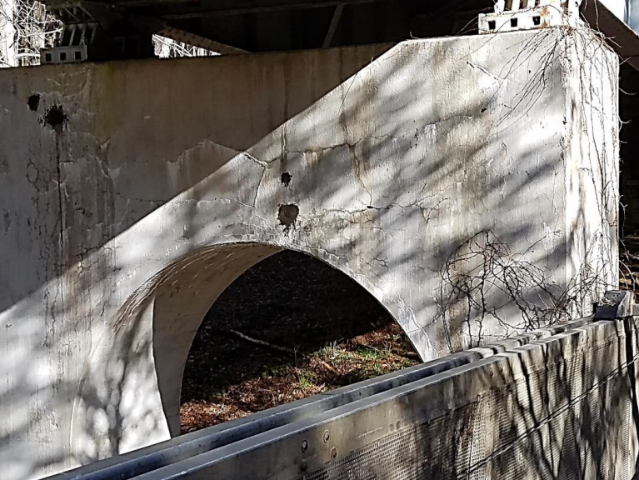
(287, 216)
(286, 179)
(33, 102)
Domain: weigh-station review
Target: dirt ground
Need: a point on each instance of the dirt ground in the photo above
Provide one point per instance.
(324, 331)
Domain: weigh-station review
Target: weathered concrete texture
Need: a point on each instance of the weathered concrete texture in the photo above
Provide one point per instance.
(133, 194)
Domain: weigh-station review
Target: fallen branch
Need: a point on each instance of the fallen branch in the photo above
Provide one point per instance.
(327, 366)
(262, 343)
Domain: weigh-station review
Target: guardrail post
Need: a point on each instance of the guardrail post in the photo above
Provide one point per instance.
(616, 305)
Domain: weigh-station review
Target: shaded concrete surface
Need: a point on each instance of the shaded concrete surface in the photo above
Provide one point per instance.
(134, 193)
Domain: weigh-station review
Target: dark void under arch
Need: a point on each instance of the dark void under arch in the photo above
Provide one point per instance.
(272, 326)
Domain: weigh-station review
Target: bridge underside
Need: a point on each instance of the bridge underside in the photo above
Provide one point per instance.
(241, 26)
(122, 29)
(140, 190)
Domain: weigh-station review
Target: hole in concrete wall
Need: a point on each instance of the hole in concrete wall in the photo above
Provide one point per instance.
(55, 117)
(492, 25)
(287, 215)
(537, 20)
(286, 179)
(34, 102)
(288, 328)
(514, 22)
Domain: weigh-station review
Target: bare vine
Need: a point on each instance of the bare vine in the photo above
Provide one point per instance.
(483, 278)
(25, 29)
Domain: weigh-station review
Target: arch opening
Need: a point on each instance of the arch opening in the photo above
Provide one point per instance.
(289, 327)
(131, 393)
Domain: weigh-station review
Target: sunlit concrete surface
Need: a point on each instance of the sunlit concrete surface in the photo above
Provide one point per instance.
(133, 194)
(620, 8)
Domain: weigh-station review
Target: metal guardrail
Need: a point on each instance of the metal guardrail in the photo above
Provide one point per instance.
(127, 466)
(477, 414)
(558, 407)
(489, 419)
(266, 427)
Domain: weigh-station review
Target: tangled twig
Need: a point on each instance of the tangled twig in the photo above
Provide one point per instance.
(25, 29)
(483, 276)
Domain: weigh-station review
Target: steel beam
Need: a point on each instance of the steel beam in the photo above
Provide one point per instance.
(176, 10)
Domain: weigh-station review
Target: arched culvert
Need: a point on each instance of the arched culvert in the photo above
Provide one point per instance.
(130, 393)
(289, 327)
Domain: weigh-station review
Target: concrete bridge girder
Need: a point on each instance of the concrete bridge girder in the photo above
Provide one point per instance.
(141, 190)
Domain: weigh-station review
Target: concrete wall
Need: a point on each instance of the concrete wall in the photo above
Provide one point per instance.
(445, 174)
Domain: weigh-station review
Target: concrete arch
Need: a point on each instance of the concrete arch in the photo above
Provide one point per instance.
(130, 396)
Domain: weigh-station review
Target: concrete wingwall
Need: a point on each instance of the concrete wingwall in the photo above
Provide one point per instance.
(470, 184)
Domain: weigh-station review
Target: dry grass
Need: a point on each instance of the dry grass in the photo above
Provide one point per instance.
(367, 356)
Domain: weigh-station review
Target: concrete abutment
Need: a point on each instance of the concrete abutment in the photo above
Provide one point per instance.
(408, 167)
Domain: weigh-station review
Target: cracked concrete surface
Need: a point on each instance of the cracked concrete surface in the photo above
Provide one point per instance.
(122, 227)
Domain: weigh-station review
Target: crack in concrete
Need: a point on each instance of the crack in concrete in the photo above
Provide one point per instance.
(486, 72)
(253, 159)
(357, 164)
